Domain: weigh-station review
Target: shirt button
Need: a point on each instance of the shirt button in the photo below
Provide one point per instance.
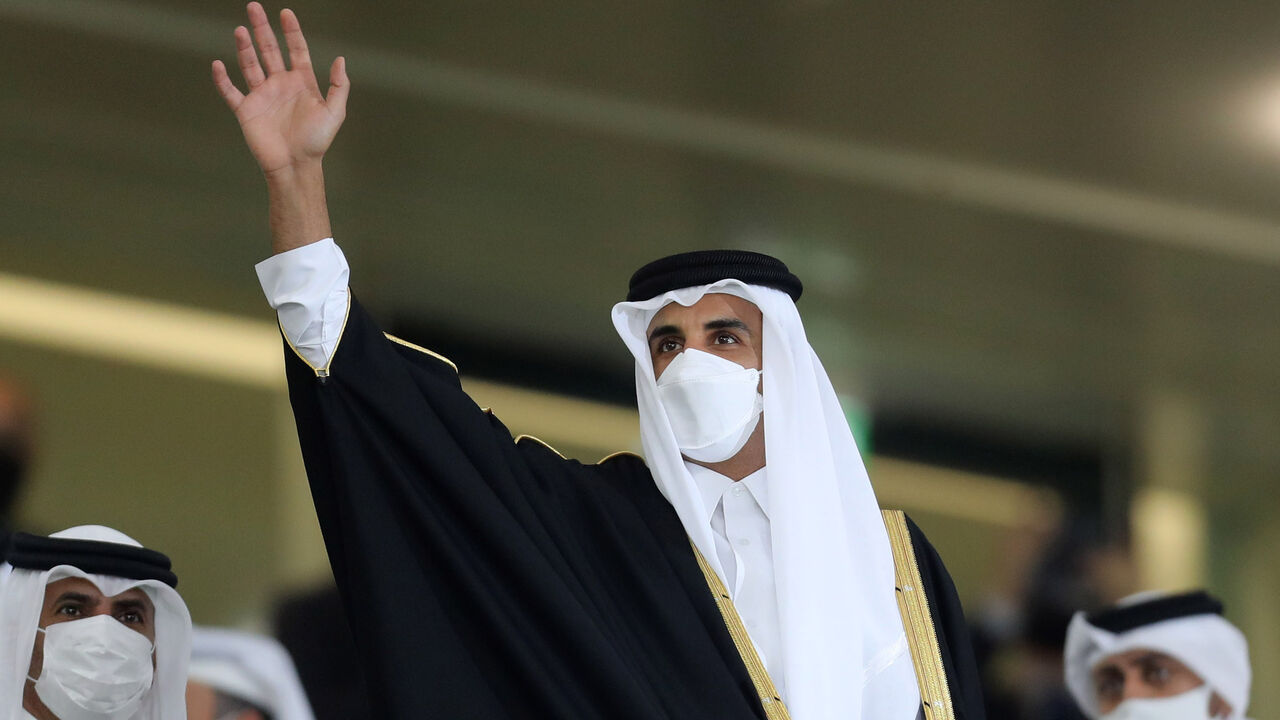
(744, 542)
(737, 491)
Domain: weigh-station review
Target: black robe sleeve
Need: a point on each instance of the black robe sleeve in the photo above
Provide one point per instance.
(951, 629)
(485, 578)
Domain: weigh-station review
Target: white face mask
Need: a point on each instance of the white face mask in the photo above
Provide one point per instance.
(94, 669)
(712, 404)
(1190, 705)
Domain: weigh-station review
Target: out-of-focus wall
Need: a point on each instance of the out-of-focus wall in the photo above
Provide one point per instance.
(186, 465)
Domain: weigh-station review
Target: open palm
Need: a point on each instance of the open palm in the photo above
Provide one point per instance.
(285, 119)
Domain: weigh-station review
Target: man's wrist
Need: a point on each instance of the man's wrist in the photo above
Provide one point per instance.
(298, 207)
(300, 171)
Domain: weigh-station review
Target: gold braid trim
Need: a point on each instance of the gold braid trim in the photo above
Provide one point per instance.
(917, 621)
(422, 350)
(774, 708)
(541, 442)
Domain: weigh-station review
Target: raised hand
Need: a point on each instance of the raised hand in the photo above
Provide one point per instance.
(286, 121)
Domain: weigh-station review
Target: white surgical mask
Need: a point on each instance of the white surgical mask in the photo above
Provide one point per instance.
(712, 403)
(1190, 705)
(94, 669)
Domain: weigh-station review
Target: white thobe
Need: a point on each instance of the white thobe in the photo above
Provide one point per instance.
(738, 513)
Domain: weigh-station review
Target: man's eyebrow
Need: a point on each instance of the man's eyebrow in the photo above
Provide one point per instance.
(129, 604)
(663, 330)
(1152, 656)
(726, 323)
(73, 595)
(1107, 668)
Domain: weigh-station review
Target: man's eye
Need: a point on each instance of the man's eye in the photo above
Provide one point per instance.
(1157, 675)
(1109, 688)
(69, 610)
(131, 617)
(725, 339)
(668, 345)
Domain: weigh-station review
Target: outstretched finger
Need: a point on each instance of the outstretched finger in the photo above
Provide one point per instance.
(339, 87)
(229, 92)
(248, 59)
(272, 60)
(299, 56)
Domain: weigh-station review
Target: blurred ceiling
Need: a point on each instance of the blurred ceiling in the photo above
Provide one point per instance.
(1021, 216)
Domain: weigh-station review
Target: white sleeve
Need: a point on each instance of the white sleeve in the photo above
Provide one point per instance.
(307, 287)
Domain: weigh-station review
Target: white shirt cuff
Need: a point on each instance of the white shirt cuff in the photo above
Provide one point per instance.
(307, 286)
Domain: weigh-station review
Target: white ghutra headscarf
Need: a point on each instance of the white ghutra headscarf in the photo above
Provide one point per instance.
(22, 599)
(252, 668)
(845, 654)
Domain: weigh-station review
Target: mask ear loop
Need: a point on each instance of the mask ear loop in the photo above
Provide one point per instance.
(38, 631)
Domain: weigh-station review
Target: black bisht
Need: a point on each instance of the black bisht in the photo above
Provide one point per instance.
(486, 578)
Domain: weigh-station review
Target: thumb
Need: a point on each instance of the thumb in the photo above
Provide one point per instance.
(339, 87)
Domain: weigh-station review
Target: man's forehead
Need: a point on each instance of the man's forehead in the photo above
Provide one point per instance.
(1133, 657)
(719, 304)
(84, 586)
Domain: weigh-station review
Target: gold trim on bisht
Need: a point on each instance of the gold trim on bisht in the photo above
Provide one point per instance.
(774, 708)
(935, 695)
(541, 442)
(620, 453)
(419, 348)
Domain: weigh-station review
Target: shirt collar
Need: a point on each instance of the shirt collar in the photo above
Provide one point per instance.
(712, 485)
(758, 486)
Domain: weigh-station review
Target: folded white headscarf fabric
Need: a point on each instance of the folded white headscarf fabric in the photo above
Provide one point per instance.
(1185, 627)
(21, 602)
(845, 653)
(253, 668)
